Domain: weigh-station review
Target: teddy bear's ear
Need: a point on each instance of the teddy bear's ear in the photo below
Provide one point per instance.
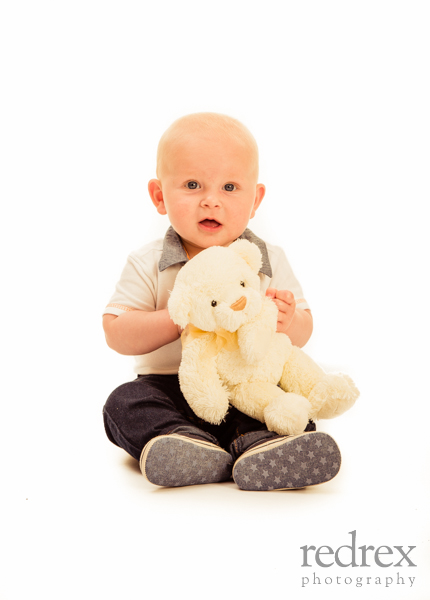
(249, 252)
(179, 305)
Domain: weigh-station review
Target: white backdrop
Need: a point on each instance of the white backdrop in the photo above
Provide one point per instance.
(337, 96)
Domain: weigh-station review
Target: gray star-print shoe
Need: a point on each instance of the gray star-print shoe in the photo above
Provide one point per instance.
(174, 460)
(288, 462)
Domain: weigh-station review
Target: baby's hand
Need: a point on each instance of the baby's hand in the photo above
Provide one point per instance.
(286, 304)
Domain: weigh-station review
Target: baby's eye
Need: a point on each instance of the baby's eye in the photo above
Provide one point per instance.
(214, 302)
(229, 187)
(192, 185)
(242, 283)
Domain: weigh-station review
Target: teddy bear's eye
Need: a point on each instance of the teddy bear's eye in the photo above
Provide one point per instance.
(214, 302)
(242, 283)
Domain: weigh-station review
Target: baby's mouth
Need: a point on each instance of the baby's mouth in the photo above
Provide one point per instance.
(211, 223)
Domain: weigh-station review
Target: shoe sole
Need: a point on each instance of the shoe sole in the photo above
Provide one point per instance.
(176, 461)
(289, 463)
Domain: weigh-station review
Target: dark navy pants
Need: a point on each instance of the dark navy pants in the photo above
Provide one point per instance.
(153, 405)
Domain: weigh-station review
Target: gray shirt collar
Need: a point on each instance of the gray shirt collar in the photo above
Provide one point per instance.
(174, 252)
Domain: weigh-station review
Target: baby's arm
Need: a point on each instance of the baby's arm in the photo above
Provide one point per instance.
(138, 332)
(297, 323)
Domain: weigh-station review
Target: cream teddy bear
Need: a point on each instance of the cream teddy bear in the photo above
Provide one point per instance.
(232, 353)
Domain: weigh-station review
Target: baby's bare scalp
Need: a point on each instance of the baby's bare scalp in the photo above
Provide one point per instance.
(205, 125)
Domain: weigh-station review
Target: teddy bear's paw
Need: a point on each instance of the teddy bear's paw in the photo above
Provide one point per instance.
(287, 414)
(253, 355)
(254, 343)
(256, 356)
(212, 412)
(332, 396)
(211, 404)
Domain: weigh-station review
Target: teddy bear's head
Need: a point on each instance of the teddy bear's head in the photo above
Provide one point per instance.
(219, 288)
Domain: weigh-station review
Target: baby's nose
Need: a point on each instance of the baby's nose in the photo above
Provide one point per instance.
(211, 199)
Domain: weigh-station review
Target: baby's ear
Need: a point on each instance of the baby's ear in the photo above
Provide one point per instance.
(249, 252)
(179, 305)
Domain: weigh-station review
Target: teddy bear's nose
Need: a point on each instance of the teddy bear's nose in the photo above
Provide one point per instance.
(240, 304)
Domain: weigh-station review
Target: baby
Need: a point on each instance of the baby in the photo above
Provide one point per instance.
(207, 185)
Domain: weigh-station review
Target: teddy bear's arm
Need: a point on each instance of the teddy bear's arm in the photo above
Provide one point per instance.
(200, 382)
(256, 336)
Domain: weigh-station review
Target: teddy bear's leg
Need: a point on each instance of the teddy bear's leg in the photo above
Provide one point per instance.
(252, 398)
(300, 373)
(287, 414)
(332, 396)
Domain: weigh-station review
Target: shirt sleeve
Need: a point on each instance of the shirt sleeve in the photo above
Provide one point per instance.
(135, 289)
(283, 277)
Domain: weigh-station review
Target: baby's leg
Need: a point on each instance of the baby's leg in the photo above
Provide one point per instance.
(139, 410)
(150, 419)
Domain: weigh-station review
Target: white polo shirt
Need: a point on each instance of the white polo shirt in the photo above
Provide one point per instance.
(148, 278)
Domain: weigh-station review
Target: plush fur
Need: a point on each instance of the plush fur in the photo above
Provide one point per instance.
(232, 353)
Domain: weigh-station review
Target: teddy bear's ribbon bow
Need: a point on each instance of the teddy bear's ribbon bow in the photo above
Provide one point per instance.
(219, 339)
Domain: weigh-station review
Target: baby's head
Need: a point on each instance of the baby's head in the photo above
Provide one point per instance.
(207, 173)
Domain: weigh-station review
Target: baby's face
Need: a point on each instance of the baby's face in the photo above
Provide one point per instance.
(209, 190)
